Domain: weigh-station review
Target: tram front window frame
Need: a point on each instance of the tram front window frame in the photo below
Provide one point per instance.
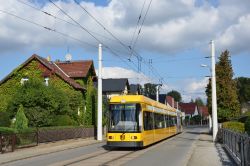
(124, 118)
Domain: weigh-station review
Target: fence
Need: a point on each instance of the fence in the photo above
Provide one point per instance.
(237, 145)
(10, 142)
(7, 143)
(52, 135)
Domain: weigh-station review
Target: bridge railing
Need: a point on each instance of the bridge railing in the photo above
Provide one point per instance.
(237, 145)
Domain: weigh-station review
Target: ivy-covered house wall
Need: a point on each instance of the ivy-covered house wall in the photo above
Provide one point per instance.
(36, 70)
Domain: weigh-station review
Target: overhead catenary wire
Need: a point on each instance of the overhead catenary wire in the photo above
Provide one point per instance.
(144, 18)
(138, 21)
(48, 28)
(86, 30)
(58, 18)
(99, 23)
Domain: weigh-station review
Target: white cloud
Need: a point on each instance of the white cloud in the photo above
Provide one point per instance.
(134, 77)
(237, 36)
(170, 25)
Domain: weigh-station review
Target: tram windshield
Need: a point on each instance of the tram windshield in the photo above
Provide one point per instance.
(124, 118)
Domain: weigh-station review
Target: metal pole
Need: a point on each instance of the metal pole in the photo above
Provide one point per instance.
(99, 112)
(210, 123)
(214, 98)
(157, 92)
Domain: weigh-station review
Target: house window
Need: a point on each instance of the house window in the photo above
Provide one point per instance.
(46, 81)
(23, 80)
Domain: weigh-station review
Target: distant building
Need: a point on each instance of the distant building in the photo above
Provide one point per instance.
(203, 112)
(190, 109)
(115, 87)
(135, 89)
(162, 98)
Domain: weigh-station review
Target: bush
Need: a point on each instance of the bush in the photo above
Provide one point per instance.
(196, 119)
(63, 120)
(21, 120)
(247, 125)
(5, 119)
(234, 126)
(64, 127)
(7, 130)
(41, 103)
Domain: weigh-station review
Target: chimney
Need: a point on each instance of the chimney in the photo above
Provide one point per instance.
(48, 58)
(68, 57)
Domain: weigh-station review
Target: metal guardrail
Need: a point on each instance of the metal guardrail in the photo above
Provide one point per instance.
(237, 145)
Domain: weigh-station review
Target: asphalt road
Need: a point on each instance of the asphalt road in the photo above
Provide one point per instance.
(174, 151)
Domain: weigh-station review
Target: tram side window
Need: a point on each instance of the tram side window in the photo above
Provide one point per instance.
(159, 121)
(167, 120)
(173, 120)
(148, 121)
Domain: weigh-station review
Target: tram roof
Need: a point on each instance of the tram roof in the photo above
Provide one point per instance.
(140, 99)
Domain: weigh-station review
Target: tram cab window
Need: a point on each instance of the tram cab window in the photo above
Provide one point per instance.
(124, 118)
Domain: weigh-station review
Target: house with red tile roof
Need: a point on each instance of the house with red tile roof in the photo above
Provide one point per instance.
(203, 111)
(190, 109)
(67, 75)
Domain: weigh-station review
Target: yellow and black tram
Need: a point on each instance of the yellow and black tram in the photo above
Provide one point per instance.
(137, 121)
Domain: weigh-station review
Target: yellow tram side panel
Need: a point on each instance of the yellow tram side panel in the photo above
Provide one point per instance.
(152, 136)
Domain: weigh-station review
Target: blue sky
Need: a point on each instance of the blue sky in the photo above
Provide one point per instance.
(177, 39)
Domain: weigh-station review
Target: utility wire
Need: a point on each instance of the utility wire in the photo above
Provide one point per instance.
(138, 21)
(99, 23)
(89, 32)
(86, 30)
(47, 28)
(133, 46)
(57, 18)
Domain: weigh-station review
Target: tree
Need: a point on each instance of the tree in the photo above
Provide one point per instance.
(209, 96)
(243, 87)
(199, 102)
(149, 89)
(21, 120)
(227, 98)
(4, 119)
(176, 95)
(41, 103)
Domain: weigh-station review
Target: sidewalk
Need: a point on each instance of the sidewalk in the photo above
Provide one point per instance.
(207, 153)
(46, 148)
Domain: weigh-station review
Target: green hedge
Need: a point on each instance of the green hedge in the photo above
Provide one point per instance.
(64, 127)
(235, 126)
(7, 130)
(5, 119)
(63, 120)
(247, 125)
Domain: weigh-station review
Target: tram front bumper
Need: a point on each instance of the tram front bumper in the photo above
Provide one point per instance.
(125, 143)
